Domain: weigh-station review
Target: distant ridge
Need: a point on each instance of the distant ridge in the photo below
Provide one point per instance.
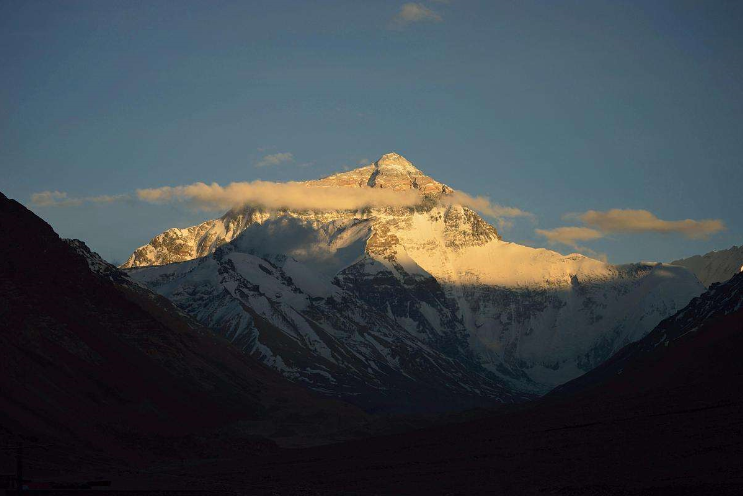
(716, 266)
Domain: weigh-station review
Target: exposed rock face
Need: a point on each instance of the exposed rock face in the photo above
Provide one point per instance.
(347, 301)
(177, 245)
(714, 267)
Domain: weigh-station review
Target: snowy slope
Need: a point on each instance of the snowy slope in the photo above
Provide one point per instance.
(714, 267)
(435, 282)
(314, 332)
(699, 344)
(551, 316)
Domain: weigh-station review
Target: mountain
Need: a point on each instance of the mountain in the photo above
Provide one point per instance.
(89, 358)
(716, 266)
(383, 304)
(178, 245)
(698, 345)
(663, 416)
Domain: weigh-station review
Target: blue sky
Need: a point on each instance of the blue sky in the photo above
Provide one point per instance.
(551, 107)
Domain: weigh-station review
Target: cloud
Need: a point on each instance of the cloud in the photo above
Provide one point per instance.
(61, 199)
(299, 196)
(484, 205)
(599, 224)
(294, 196)
(275, 159)
(642, 221)
(413, 12)
(51, 199)
(504, 224)
(570, 235)
(106, 199)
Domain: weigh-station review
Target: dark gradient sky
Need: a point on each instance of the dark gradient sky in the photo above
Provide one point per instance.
(552, 107)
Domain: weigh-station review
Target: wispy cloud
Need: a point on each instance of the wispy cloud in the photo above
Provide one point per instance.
(61, 199)
(413, 12)
(53, 198)
(275, 159)
(106, 199)
(291, 195)
(642, 221)
(484, 206)
(294, 196)
(570, 235)
(599, 224)
(299, 196)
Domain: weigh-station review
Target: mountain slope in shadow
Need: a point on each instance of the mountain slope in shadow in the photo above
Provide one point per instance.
(663, 415)
(90, 359)
(693, 351)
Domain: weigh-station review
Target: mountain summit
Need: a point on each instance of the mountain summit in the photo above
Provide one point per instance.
(396, 161)
(391, 171)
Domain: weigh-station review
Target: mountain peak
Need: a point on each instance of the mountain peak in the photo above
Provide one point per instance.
(394, 161)
(391, 171)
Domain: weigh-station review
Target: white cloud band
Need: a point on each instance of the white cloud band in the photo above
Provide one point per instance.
(300, 197)
(293, 196)
(61, 199)
(642, 221)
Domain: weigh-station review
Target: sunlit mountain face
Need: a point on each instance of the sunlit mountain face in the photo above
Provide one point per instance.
(377, 304)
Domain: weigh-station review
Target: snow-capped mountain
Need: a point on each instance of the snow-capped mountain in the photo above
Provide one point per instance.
(699, 344)
(390, 299)
(714, 267)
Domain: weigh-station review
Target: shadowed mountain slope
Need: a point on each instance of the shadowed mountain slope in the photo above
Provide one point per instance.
(716, 266)
(91, 358)
(696, 349)
(664, 415)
